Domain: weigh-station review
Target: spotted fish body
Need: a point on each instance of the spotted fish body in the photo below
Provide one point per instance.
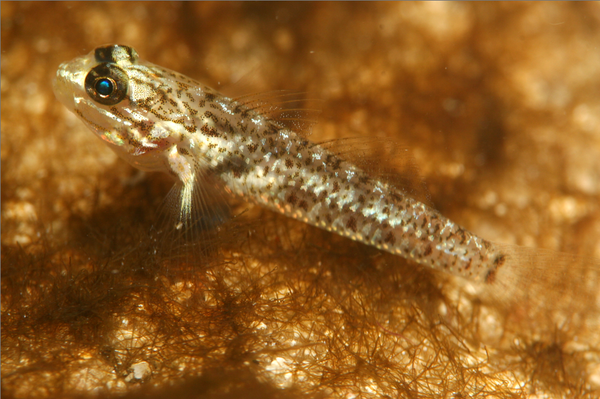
(160, 120)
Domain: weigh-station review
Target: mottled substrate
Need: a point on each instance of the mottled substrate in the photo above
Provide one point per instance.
(500, 106)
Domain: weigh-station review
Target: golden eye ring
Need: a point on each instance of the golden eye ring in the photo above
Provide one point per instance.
(107, 84)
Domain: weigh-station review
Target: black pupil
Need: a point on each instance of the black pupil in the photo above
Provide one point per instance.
(104, 87)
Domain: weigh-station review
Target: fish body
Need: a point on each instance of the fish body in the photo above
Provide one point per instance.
(160, 120)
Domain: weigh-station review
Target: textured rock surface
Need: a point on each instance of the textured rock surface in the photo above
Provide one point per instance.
(499, 104)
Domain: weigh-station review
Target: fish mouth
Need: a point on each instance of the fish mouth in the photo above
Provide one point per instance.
(69, 82)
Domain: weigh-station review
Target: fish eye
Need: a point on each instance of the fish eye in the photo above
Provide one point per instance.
(107, 84)
(105, 87)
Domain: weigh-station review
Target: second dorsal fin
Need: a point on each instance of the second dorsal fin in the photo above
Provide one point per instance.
(385, 160)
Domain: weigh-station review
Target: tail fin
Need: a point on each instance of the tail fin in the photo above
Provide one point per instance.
(545, 289)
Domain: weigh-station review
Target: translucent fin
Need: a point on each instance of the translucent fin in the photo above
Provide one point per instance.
(191, 218)
(385, 160)
(242, 83)
(545, 289)
(205, 210)
(290, 109)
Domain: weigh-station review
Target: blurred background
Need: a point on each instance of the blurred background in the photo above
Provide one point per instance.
(499, 105)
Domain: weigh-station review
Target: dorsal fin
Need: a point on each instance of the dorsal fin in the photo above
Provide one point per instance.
(385, 160)
(291, 109)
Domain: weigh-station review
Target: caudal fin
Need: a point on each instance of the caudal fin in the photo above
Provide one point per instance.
(545, 289)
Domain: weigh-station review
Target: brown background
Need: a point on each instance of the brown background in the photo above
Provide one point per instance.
(499, 104)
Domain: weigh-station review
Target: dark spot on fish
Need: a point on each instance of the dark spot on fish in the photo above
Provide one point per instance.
(351, 224)
(389, 238)
(292, 199)
(252, 148)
